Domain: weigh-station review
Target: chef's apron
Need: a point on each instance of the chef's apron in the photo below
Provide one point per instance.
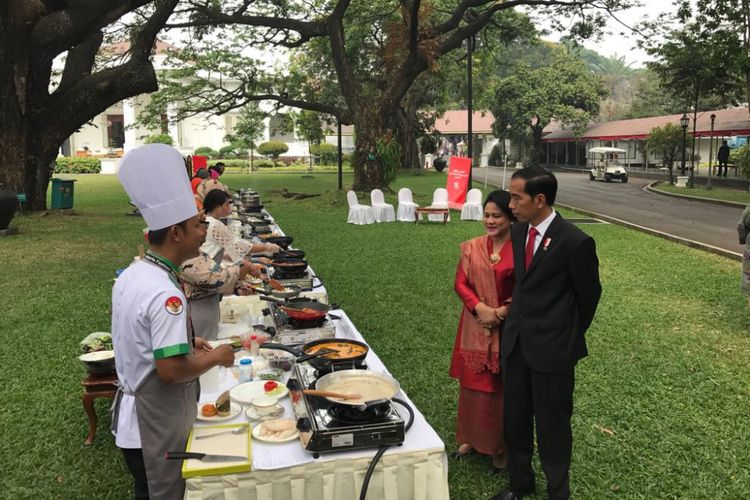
(205, 312)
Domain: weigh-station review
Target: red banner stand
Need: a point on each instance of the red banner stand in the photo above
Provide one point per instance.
(458, 181)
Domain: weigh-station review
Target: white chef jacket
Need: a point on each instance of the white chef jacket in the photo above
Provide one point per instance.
(149, 322)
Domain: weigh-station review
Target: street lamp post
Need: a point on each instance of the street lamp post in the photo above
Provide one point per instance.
(684, 124)
(470, 104)
(710, 151)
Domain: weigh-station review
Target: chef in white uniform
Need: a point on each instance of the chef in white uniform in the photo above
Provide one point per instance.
(158, 356)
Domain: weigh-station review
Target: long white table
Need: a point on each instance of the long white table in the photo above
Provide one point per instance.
(417, 470)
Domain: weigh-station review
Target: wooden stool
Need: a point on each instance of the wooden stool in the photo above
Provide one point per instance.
(427, 210)
(96, 386)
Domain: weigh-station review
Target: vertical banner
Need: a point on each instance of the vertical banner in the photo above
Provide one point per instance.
(458, 181)
(199, 162)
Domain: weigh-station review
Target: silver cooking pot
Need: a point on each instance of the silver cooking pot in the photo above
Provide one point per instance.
(359, 382)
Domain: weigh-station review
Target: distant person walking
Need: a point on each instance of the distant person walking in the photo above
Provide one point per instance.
(723, 157)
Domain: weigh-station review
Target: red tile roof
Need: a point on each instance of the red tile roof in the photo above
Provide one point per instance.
(455, 122)
(735, 121)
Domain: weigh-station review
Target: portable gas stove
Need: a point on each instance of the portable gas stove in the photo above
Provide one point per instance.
(302, 279)
(329, 427)
(293, 332)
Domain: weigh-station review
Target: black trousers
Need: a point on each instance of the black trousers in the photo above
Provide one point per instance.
(134, 461)
(724, 164)
(547, 399)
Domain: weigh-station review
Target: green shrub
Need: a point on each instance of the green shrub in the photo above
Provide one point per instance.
(228, 152)
(273, 148)
(159, 139)
(228, 162)
(207, 152)
(68, 165)
(263, 164)
(741, 157)
(326, 153)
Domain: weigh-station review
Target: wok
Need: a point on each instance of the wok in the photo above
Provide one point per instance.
(320, 358)
(375, 388)
(282, 241)
(289, 254)
(289, 265)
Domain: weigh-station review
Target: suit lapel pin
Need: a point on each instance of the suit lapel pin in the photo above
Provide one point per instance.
(546, 243)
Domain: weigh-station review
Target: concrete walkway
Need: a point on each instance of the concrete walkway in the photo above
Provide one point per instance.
(691, 222)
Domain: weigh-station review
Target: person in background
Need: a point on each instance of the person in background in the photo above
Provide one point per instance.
(206, 281)
(200, 176)
(158, 357)
(743, 229)
(219, 238)
(484, 282)
(216, 170)
(556, 293)
(723, 157)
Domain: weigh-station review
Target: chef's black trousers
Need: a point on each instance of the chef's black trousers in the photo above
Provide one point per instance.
(546, 399)
(134, 461)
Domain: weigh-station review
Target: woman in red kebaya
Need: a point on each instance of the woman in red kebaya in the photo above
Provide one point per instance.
(484, 282)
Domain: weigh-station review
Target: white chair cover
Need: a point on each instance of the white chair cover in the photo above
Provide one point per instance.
(406, 206)
(358, 214)
(472, 209)
(382, 211)
(439, 200)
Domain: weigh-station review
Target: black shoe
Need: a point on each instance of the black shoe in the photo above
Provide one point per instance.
(507, 494)
(496, 471)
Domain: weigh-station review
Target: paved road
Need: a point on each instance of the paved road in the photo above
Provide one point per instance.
(710, 224)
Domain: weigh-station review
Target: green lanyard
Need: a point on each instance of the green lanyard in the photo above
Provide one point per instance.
(167, 265)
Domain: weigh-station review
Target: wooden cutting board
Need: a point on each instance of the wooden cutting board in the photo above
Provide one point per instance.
(225, 444)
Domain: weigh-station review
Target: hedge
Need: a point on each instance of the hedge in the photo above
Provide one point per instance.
(71, 165)
(159, 139)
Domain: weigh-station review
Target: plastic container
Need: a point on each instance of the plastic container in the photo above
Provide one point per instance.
(254, 346)
(246, 370)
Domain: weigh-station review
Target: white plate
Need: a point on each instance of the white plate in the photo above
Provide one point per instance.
(234, 410)
(270, 439)
(245, 393)
(253, 415)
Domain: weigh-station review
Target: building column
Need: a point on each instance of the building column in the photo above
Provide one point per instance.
(173, 125)
(128, 119)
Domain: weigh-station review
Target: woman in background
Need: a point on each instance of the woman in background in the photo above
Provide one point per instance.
(484, 282)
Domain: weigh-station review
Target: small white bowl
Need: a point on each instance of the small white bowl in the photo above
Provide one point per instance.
(264, 405)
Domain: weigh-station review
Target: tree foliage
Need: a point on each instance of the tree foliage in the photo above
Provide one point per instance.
(529, 99)
(667, 142)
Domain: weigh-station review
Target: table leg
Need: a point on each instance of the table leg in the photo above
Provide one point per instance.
(445, 218)
(416, 217)
(88, 406)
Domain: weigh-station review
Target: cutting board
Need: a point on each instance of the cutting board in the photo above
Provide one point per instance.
(226, 444)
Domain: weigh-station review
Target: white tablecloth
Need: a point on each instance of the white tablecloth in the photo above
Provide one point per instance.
(416, 470)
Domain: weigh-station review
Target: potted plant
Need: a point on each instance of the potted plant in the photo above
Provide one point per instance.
(440, 163)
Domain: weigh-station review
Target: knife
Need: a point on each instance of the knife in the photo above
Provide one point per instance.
(184, 455)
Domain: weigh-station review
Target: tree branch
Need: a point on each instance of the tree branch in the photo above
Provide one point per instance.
(79, 62)
(338, 50)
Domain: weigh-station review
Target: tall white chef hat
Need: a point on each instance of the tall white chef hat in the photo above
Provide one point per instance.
(155, 178)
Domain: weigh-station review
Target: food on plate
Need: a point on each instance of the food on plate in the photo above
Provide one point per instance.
(270, 386)
(280, 428)
(223, 404)
(209, 410)
(343, 350)
(269, 374)
(97, 341)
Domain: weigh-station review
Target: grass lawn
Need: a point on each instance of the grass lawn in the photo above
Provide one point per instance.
(701, 192)
(662, 403)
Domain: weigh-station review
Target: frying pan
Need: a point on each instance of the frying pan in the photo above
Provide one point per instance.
(289, 265)
(301, 309)
(320, 361)
(289, 254)
(359, 382)
(282, 241)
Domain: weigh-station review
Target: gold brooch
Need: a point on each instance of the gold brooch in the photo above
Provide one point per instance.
(495, 258)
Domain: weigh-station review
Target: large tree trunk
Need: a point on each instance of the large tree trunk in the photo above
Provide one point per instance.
(536, 150)
(368, 166)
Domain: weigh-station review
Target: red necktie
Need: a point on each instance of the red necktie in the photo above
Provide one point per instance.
(530, 246)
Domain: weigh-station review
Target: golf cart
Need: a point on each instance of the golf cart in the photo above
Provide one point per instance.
(605, 164)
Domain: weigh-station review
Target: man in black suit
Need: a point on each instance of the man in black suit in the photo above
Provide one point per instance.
(554, 300)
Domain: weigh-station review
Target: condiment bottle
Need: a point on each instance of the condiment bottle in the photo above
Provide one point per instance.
(246, 370)
(254, 346)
